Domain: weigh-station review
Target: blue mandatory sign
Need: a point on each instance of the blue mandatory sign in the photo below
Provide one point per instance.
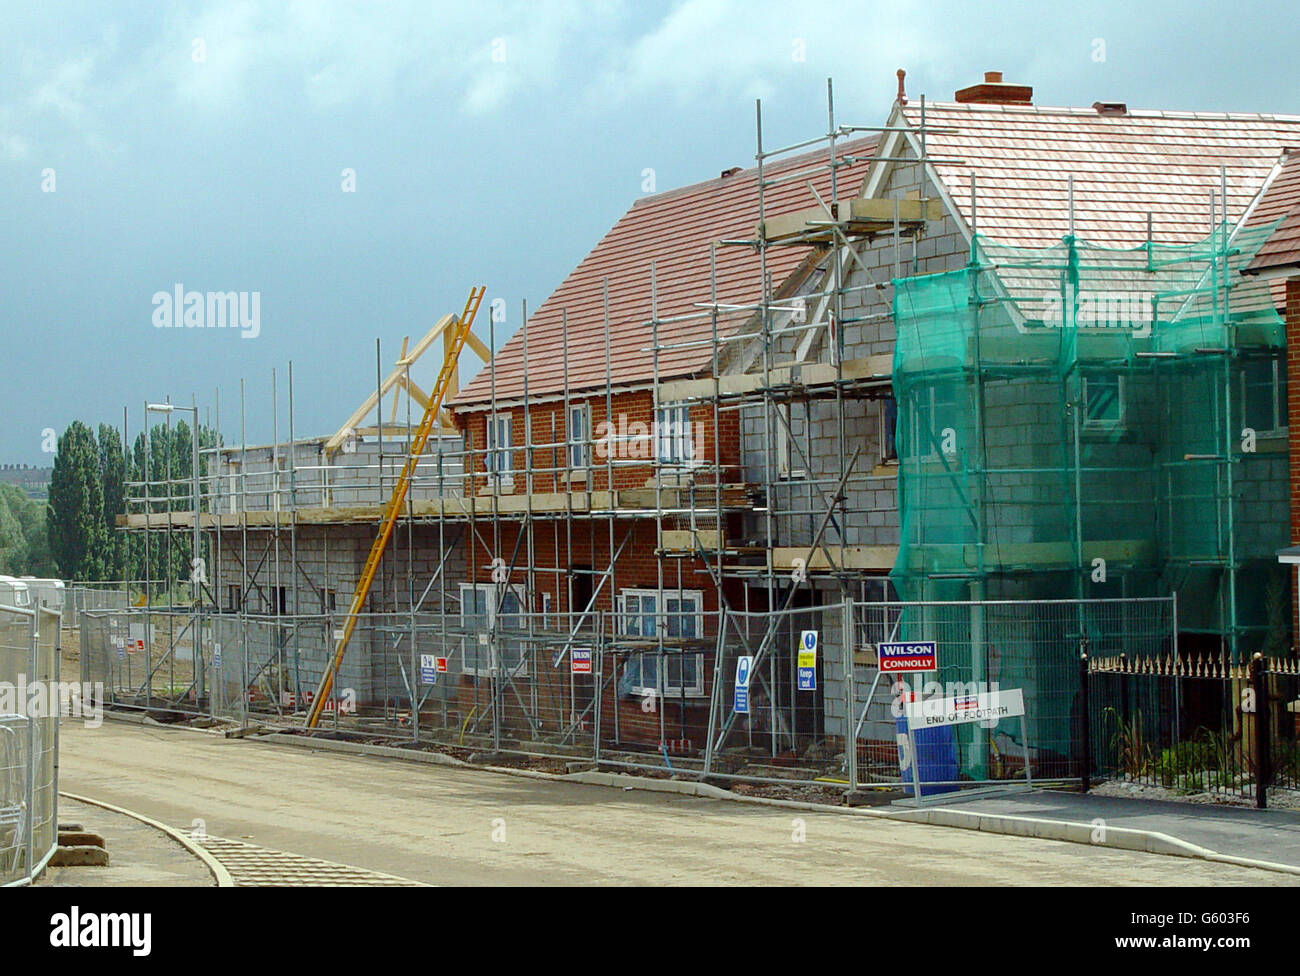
(744, 665)
(807, 661)
(428, 669)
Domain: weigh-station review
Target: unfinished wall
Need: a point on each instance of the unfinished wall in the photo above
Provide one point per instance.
(868, 330)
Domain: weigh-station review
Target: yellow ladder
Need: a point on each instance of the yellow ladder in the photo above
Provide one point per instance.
(394, 507)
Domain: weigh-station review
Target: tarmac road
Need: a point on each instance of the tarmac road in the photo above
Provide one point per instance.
(443, 825)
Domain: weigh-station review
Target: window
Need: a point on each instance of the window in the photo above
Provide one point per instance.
(328, 601)
(789, 428)
(888, 429)
(1263, 395)
(579, 429)
(234, 597)
(235, 486)
(499, 456)
(674, 614)
(934, 422)
(1103, 402)
(482, 607)
(674, 435)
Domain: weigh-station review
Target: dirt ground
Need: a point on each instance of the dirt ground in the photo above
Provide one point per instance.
(450, 826)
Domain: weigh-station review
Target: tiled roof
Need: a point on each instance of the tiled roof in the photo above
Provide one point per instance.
(1280, 200)
(1124, 167)
(674, 230)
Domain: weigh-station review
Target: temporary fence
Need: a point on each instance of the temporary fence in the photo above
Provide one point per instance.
(29, 708)
(82, 596)
(1196, 725)
(766, 698)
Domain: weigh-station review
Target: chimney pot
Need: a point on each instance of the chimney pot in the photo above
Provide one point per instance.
(993, 76)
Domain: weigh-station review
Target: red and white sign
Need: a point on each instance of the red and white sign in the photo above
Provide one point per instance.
(580, 660)
(987, 706)
(440, 663)
(909, 656)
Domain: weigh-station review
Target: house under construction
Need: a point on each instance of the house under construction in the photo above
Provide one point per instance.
(989, 374)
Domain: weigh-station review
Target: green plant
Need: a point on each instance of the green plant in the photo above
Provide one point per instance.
(1133, 752)
(1184, 765)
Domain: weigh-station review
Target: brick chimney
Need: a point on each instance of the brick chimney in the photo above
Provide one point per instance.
(994, 91)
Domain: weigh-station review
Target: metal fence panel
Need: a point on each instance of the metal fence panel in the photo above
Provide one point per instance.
(29, 672)
(655, 691)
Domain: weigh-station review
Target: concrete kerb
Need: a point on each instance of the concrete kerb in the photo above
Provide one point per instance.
(1092, 835)
(218, 871)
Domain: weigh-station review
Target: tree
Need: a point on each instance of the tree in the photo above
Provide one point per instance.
(13, 541)
(112, 476)
(75, 511)
(24, 549)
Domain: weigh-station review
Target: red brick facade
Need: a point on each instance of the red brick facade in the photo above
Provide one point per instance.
(567, 555)
(630, 436)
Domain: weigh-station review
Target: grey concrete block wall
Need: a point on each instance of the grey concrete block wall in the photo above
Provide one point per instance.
(330, 558)
(302, 475)
(868, 330)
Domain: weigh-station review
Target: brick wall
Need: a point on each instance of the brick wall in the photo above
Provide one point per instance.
(622, 426)
(586, 545)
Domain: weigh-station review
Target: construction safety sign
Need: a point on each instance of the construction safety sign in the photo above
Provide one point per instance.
(744, 665)
(808, 661)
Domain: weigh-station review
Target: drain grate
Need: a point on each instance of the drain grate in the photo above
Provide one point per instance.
(261, 867)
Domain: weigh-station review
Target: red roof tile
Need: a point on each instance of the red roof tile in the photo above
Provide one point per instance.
(673, 230)
(1280, 201)
(1124, 167)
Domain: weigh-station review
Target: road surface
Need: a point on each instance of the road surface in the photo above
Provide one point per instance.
(442, 825)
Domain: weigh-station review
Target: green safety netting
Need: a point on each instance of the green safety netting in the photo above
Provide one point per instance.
(1081, 421)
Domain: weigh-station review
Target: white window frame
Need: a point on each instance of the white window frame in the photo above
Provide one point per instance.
(578, 436)
(931, 450)
(491, 604)
(1102, 423)
(499, 459)
(785, 452)
(674, 446)
(661, 597)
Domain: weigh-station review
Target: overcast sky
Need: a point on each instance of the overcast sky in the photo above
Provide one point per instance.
(205, 144)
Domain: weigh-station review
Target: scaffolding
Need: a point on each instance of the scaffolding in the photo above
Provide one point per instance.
(753, 534)
(785, 370)
(1027, 449)
(1099, 422)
